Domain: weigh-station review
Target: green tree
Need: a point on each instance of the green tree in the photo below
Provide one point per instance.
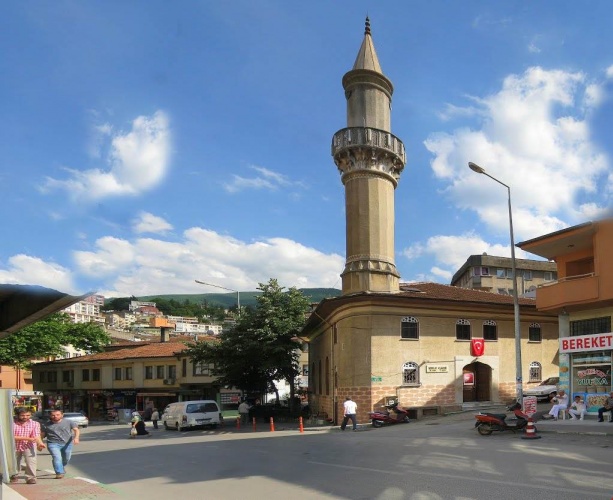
(46, 338)
(261, 348)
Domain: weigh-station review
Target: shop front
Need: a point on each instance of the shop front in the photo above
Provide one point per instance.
(103, 404)
(586, 361)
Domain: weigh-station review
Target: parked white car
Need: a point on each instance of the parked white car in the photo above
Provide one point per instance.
(545, 390)
(188, 414)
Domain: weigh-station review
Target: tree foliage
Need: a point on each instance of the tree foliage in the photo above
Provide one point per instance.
(261, 348)
(47, 338)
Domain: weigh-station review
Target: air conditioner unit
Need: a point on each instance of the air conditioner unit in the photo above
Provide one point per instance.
(169, 381)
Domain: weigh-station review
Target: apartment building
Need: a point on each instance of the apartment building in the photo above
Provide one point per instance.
(494, 274)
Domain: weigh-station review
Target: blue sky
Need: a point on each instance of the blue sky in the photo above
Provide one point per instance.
(146, 144)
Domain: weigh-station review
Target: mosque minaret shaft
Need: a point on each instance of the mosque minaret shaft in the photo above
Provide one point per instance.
(370, 159)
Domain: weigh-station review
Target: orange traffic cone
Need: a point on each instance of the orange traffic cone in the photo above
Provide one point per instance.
(530, 431)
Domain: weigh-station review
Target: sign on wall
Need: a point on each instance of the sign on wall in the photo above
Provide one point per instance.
(437, 369)
(583, 343)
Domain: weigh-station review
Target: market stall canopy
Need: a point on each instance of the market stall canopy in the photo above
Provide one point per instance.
(21, 305)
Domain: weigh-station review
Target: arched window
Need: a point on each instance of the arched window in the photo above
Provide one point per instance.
(462, 330)
(534, 333)
(327, 376)
(409, 328)
(535, 372)
(410, 373)
(490, 330)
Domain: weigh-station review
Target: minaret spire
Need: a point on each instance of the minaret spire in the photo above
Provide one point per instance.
(370, 159)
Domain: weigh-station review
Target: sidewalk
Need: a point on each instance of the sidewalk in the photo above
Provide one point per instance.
(49, 488)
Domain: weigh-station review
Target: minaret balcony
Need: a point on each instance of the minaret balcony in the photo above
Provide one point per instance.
(352, 138)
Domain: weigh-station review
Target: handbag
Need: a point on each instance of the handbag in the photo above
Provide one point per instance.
(133, 431)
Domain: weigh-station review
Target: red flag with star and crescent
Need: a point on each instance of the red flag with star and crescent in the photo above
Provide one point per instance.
(477, 347)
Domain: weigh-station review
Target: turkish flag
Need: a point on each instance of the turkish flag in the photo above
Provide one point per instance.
(477, 347)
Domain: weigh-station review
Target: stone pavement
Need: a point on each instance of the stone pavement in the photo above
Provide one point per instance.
(70, 487)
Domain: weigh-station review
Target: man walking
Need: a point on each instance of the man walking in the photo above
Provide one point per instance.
(155, 416)
(27, 440)
(243, 411)
(350, 409)
(61, 435)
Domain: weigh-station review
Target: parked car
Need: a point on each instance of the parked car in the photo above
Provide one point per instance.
(78, 417)
(188, 414)
(545, 390)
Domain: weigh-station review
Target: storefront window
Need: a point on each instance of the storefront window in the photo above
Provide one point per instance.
(591, 377)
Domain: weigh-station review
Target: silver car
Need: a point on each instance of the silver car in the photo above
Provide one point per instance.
(80, 419)
(545, 390)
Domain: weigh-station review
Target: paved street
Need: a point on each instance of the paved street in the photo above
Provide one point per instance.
(440, 458)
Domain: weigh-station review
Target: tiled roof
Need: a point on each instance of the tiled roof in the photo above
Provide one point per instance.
(436, 291)
(139, 350)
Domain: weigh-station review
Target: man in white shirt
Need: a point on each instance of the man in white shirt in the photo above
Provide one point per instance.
(560, 403)
(350, 409)
(243, 411)
(577, 408)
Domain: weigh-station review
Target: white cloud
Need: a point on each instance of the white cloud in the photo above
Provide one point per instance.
(609, 72)
(137, 162)
(148, 266)
(535, 137)
(268, 179)
(149, 223)
(27, 270)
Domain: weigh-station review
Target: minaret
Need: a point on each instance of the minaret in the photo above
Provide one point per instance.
(370, 159)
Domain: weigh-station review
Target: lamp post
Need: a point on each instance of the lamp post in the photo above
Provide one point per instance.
(518, 368)
(238, 294)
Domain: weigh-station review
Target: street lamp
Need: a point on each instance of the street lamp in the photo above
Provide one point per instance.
(518, 375)
(238, 294)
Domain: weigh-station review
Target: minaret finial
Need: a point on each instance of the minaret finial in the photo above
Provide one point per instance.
(367, 28)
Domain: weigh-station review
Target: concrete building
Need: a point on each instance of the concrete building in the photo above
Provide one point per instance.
(421, 342)
(582, 296)
(87, 310)
(494, 274)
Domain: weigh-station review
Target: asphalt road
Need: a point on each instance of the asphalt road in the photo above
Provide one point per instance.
(443, 458)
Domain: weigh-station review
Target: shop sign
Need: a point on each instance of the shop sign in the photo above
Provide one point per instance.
(599, 379)
(437, 369)
(469, 378)
(583, 343)
(376, 379)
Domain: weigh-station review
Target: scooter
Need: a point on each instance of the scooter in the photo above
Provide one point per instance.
(393, 414)
(489, 422)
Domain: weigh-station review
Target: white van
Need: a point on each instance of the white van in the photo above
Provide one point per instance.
(187, 414)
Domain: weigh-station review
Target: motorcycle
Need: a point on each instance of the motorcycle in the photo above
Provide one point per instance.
(489, 422)
(392, 414)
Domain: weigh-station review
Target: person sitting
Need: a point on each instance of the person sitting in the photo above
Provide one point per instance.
(560, 403)
(139, 425)
(577, 408)
(608, 406)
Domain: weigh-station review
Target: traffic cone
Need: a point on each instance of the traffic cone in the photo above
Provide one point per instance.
(530, 432)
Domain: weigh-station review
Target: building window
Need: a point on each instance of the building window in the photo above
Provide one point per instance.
(96, 375)
(590, 326)
(159, 372)
(117, 373)
(172, 371)
(534, 333)
(548, 276)
(503, 291)
(85, 375)
(410, 373)
(202, 369)
(527, 275)
(128, 373)
(305, 370)
(462, 330)
(184, 367)
(67, 376)
(535, 372)
(409, 328)
(481, 271)
(504, 273)
(52, 377)
(148, 372)
(41, 377)
(490, 330)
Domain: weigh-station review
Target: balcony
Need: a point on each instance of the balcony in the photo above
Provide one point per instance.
(568, 291)
(367, 137)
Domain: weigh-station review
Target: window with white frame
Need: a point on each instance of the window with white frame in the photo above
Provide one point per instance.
(527, 275)
(481, 271)
(202, 369)
(490, 330)
(548, 276)
(462, 330)
(534, 333)
(410, 373)
(536, 371)
(409, 328)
